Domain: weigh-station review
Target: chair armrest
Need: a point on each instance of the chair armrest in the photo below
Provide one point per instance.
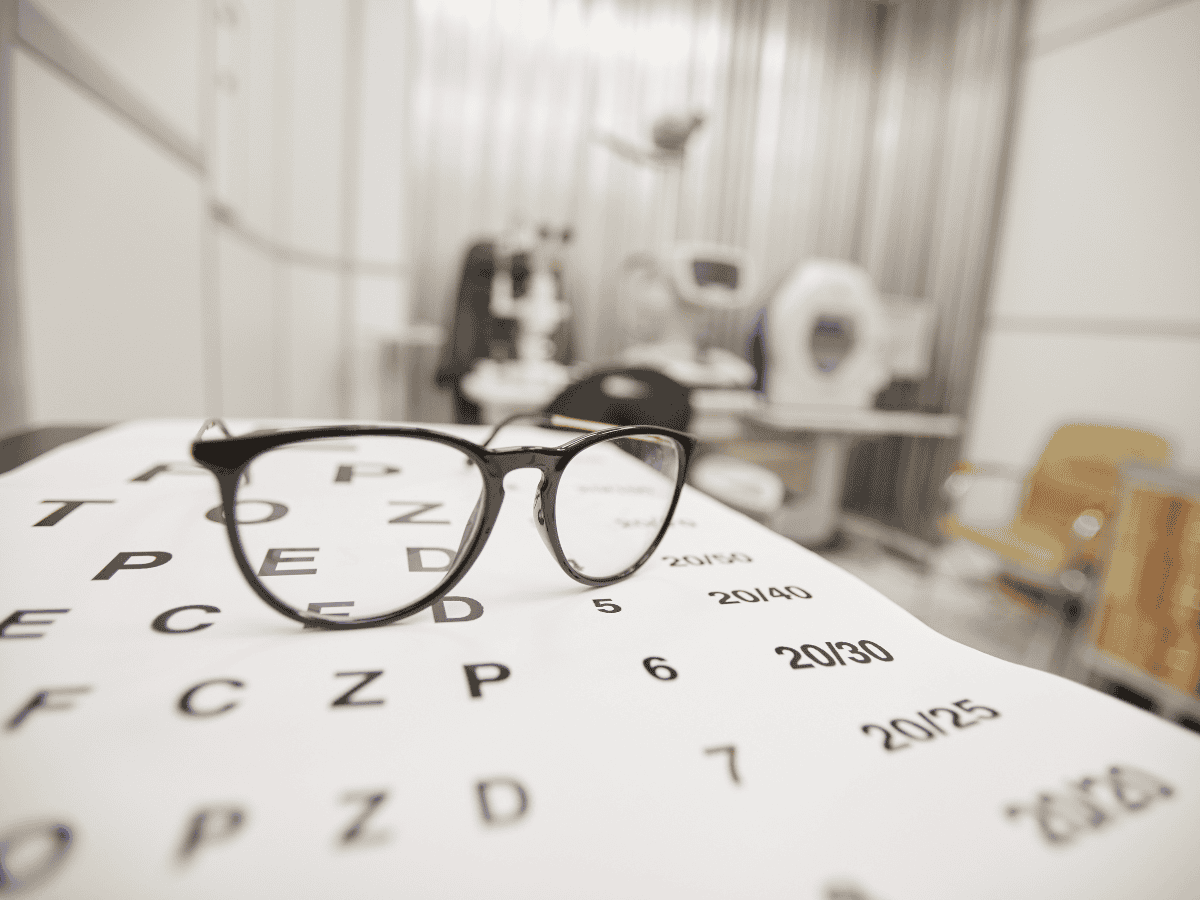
(1088, 524)
(967, 474)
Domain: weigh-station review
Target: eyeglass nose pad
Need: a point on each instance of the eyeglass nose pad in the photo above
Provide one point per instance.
(469, 531)
(539, 515)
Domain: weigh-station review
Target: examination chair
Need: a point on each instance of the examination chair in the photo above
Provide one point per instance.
(1051, 549)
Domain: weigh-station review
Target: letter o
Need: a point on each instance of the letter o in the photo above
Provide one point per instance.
(57, 837)
(278, 511)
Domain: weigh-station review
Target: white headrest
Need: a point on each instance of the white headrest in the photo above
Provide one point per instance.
(827, 337)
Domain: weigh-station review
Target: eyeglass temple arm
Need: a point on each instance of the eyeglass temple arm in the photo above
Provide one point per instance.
(554, 421)
(220, 425)
(210, 424)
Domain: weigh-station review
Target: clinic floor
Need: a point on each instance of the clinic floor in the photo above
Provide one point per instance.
(954, 595)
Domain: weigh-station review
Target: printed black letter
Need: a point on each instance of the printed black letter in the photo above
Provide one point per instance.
(346, 474)
(371, 802)
(209, 826)
(277, 511)
(21, 869)
(185, 702)
(174, 468)
(68, 506)
(409, 518)
(319, 609)
(15, 619)
(41, 700)
(474, 610)
(163, 623)
(416, 564)
(345, 699)
(275, 556)
(475, 683)
(517, 806)
(122, 561)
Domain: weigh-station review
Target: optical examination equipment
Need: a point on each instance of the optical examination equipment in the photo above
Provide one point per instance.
(831, 344)
(527, 383)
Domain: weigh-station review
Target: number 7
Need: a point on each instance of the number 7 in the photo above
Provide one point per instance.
(732, 751)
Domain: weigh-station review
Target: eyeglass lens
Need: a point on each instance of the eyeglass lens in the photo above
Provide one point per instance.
(371, 524)
(347, 529)
(612, 501)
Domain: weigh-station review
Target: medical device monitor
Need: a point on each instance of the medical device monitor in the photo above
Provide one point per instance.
(708, 271)
(713, 276)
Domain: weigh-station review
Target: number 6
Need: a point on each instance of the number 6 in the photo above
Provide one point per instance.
(662, 666)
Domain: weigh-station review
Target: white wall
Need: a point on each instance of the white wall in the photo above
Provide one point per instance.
(308, 159)
(109, 228)
(137, 301)
(1095, 312)
(152, 46)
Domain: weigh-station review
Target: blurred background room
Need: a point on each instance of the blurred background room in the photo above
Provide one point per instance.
(922, 274)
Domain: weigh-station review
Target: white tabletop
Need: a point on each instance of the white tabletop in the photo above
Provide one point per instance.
(856, 421)
(740, 718)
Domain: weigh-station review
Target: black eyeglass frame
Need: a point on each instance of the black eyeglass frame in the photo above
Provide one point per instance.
(228, 458)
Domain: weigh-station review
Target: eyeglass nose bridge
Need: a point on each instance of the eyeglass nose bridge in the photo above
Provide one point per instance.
(509, 459)
(549, 462)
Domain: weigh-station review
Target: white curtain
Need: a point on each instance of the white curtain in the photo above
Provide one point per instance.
(843, 128)
(509, 95)
(946, 96)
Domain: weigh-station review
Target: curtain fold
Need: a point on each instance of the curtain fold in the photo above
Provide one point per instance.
(509, 96)
(835, 128)
(938, 155)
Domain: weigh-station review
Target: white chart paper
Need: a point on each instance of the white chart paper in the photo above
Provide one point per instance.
(649, 739)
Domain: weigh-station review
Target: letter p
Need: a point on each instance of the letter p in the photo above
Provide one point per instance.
(125, 561)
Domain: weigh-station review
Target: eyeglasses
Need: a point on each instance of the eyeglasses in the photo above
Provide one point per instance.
(357, 526)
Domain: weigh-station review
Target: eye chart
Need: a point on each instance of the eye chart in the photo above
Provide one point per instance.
(739, 718)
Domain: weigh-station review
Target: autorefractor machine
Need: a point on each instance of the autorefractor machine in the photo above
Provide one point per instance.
(831, 342)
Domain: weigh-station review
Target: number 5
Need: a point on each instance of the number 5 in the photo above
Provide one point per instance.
(971, 709)
(606, 606)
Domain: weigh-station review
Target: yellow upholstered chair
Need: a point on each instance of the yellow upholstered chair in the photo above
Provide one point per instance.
(1054, 541)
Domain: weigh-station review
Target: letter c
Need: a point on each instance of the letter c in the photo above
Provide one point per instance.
(185, 702)
(162, 623)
